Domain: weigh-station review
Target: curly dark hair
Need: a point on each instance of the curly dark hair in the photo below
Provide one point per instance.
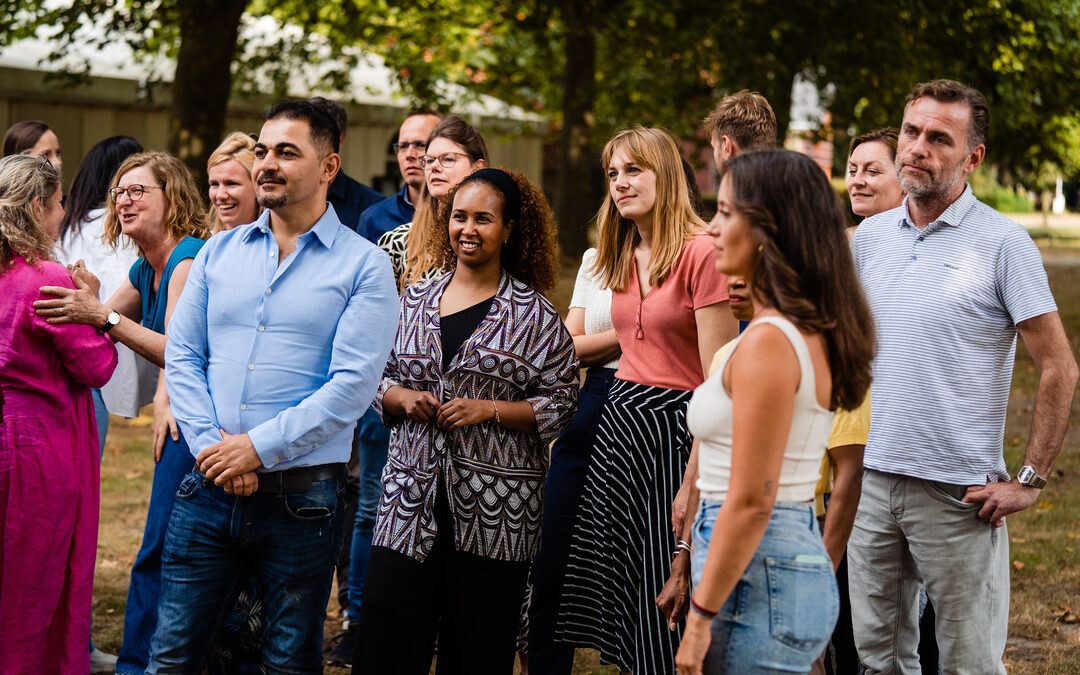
(531, 254)
(805, 269)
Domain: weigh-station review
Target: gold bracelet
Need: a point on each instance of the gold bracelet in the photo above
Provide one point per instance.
(498, 419)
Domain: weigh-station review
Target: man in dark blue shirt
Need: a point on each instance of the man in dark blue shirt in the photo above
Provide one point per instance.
(410, 147)
(348, 196)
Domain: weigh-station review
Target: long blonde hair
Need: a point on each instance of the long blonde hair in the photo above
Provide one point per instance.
(674, 219)
(22, 178)
(419, 256)
(238, 146)
(185, 215)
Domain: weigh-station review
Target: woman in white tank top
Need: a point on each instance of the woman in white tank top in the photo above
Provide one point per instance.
(765, 597)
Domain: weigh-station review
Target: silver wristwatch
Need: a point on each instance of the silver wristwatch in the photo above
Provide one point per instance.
(110, 321)
(1028, 478)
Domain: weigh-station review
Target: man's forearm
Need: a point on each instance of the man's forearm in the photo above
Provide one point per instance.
(1050, 417)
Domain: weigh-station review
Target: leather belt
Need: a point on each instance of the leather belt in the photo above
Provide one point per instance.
(299, 479)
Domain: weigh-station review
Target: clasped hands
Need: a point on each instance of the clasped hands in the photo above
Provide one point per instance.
(73, 305)
(231, 464)
(422, 406)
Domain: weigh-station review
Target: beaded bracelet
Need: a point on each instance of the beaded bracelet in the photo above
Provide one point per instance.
(498, 419)
(701, 611)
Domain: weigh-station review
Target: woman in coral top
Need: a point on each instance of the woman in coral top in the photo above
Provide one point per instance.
(668, 309)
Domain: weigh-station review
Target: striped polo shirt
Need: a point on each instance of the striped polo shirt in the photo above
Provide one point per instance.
(946, 301)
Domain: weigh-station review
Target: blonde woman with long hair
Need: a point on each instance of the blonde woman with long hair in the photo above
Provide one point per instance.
(454, 150)
(670, 316)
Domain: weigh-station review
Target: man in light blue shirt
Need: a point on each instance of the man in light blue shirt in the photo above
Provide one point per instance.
(275, 349)
(951, 283)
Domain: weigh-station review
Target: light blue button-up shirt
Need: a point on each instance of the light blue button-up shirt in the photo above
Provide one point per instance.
(288, 352)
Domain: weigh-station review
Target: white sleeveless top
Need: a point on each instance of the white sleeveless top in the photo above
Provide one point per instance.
(709, 417)
(594, 298)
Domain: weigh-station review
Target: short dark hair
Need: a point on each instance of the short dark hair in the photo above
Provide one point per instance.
(23, 136)
(951, 91)
(747, 118)
(418, 112)
(887, 135)
(325, 132)
(333, 109)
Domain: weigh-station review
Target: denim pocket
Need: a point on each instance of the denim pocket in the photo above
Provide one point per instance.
(803, 602)
(318, 503)
(190, 486)
(942, 492)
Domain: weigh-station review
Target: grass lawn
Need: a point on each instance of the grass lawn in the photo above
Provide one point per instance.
(1044, 631)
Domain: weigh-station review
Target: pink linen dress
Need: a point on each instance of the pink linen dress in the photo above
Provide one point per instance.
(49, 471)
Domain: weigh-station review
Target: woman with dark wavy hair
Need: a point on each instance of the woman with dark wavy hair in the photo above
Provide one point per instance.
(765, 596)
(482, 377)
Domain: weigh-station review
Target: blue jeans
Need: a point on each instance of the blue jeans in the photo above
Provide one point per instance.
(287, 542)
(373, 440)
(141, 613)
(781, 613)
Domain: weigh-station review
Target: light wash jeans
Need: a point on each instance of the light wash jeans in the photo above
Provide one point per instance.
(782, 612)
(908, 531)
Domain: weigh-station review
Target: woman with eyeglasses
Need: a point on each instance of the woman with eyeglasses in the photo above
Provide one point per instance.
(454, 150)
(154, 201)
(49, 467)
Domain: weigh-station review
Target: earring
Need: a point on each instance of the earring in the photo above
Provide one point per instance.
(760, 248)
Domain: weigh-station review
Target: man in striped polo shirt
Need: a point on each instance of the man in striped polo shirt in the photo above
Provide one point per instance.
(951, 282)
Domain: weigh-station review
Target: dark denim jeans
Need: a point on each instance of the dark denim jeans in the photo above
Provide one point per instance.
(289, 543)
(141, 615)
(373, 440)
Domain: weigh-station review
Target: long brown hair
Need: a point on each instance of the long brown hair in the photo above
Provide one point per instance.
(674, 220)
(420, 254)
(531, 254)
(805, 269)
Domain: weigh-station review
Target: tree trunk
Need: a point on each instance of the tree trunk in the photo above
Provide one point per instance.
(577, 200)
(203, 79)
(780, 99)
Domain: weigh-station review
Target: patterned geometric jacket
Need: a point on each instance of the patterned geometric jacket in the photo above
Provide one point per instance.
(493, 476)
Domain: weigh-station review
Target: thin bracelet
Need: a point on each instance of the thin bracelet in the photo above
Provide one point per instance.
(498, 419)
(701, 611)
(683, 546)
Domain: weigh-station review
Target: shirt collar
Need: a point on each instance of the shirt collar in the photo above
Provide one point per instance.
(952, 215)
(403, 195)
(325, 228)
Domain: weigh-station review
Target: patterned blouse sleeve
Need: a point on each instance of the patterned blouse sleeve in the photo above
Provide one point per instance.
(390, 371)
(555, 397)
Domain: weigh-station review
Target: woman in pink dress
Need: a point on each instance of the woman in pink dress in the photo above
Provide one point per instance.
(48, 438)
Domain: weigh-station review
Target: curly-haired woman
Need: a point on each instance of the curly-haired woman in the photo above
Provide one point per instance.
(481, 378)
(48, 438)
(154, 201)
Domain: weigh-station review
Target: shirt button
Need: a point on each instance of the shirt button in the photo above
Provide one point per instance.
(268, 291)
(914, 257)
(262, 328)
(251, 366)
(922, 237)
(271, 254)
(243, 406)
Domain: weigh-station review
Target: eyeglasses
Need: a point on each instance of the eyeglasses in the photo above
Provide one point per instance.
(135, 192)
(404, 147)
(445, 160)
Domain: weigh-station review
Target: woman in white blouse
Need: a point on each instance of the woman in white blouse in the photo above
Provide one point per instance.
(765, 597)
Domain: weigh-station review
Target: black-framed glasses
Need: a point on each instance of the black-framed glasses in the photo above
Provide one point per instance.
(445, 160)
(135, 192)
(419, 146)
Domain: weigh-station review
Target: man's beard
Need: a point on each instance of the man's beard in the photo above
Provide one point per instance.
(934, 185)
(271, 200)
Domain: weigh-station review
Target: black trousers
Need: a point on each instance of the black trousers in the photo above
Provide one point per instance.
(470, 603)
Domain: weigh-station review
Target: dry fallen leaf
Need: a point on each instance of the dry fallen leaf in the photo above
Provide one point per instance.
(132, 475)
(1018, 565)
(1018, 540)
(1045, 505)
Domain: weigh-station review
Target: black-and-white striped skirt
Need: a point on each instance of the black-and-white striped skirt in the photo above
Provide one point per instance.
(620, 551)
